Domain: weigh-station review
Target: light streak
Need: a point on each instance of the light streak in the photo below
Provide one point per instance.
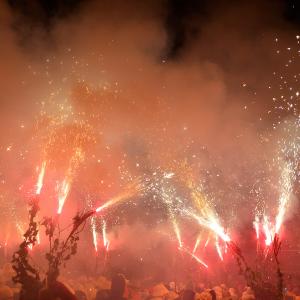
(39, 184)
(177, 232)
(130, 191)
(207, 241)
(256, 227)
(194, 256)
(268, 232)
(213, 225)
(196, 244)
(38, 238)
(104, 235)
(286, 190)
(94, 232)
(218, 248)
(63, 194)
(65, 187)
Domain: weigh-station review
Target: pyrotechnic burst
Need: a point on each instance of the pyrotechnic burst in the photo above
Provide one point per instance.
(65, 187)
(287, 180)
(212, 225)
(206, 215)
(128, 192)
(285, 104)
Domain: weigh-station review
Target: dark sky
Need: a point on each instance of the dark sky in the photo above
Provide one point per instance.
(178, 16)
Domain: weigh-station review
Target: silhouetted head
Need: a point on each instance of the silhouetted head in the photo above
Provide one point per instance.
(118, 284)
(213, 295)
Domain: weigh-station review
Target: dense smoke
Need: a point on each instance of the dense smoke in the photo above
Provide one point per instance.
(146, 97)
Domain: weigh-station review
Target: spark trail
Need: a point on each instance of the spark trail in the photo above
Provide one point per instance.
(40, 181)
(94, 233)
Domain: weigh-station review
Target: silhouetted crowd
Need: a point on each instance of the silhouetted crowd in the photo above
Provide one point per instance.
(118, 288)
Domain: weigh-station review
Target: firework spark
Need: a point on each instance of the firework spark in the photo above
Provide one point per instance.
(65, 187)
(212, 225)
(207, 241)
(104, 235)
(94, 233)
(286, 190)
(196, 244)
(39, 184)
(268, 232)
(63, 194)
(177, 231)
(218, 248)
(194, 256)
(129, 192)
(256, 227)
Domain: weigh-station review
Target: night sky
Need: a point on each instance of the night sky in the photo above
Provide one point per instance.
(178, 15)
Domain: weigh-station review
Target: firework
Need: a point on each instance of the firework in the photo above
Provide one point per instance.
(212, 225)
(268, 232)
(65, 187)
(194, 256)
(196, 244)
(208, 217)
(177, 232)
(94, 233)
(207, 241)
(218, 248)
(286, 190)
(256, 227)
(130, 191)
(40, 180)
(104, 235)
(63, 194)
